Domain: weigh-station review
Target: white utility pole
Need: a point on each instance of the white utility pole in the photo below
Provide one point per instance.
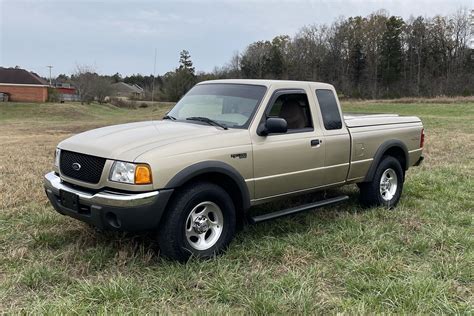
(153, 84)
(49, 74)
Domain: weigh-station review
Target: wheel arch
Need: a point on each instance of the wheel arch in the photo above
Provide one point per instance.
(392, 147)
(219, 173)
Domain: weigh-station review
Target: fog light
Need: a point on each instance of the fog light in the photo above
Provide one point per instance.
(113, 220)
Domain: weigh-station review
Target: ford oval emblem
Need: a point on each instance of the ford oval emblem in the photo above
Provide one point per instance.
(76, 166)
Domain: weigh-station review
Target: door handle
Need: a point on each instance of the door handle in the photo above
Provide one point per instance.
(316, 142)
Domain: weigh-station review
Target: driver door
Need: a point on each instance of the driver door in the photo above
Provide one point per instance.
(291, 161)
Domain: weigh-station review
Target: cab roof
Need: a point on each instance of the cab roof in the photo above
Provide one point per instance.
(268, 83)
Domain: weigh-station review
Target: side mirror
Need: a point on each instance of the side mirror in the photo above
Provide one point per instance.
(273, 125)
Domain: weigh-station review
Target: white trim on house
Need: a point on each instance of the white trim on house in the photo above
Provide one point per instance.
(23, 85)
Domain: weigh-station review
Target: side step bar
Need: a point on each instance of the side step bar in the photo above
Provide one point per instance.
(297, 209)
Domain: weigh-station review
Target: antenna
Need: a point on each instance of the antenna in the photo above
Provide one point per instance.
(153, 85)
(49, 74)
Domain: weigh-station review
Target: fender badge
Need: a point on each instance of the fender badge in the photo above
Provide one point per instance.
(239, 156)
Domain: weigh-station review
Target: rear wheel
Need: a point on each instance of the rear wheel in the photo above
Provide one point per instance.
(386, 187)
(200, 222)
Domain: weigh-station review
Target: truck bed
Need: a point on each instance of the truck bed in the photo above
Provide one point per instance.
(365, 119)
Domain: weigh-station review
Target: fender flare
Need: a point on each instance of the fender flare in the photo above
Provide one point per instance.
(212, 166)
(389, 144)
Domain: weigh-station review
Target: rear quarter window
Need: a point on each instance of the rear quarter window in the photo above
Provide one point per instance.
(329, 109)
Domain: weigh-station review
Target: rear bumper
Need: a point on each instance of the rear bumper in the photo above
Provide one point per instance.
(419, 161)
(108, 210)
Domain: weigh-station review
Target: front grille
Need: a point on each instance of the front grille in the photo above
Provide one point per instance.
(90, 166)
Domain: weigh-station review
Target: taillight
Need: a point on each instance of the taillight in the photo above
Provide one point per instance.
(422, 138)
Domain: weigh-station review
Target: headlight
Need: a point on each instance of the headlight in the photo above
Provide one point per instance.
(126, 172)
(56, 157)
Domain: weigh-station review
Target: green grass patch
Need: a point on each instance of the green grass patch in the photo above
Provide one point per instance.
(418, 258)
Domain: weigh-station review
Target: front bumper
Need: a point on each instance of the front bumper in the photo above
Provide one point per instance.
(109, 210)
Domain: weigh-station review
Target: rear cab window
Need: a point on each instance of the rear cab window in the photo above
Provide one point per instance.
(329, 109)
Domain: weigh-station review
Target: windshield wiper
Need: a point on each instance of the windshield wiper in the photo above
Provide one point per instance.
(206, 120)
(169, 117)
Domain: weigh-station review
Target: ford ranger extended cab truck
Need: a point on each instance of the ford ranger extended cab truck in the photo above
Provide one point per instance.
(225, 146)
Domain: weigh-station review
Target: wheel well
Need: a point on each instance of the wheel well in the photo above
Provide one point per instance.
(393, 148)
(398, 154)
(228, 184)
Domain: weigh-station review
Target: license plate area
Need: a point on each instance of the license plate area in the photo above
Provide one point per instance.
(69, 200)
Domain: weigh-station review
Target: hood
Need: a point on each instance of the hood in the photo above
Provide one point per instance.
(128, 141)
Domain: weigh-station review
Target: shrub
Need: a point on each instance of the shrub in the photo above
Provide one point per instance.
(123, 103)
(53, 95)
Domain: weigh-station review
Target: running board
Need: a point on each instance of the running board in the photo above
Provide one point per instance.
(297, 209)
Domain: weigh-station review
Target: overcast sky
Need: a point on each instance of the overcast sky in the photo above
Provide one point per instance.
(121, 36)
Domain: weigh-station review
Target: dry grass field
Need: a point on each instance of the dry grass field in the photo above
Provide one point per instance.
(418, 258)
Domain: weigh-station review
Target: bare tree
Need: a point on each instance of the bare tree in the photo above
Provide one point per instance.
(83, 80)
(255, 60)
(102, 88)
(90, 85)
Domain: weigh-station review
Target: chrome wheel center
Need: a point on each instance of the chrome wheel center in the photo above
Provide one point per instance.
(201, 224)
(388, 184)
(204, 225)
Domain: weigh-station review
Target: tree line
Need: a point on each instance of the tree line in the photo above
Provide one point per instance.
(376, 56)
(370, 57)
(91, 86)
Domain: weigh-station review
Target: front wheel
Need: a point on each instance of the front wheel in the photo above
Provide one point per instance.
(200, 222)
(386, 187)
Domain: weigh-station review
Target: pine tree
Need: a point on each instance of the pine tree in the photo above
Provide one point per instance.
(185, 61)
(392, 54)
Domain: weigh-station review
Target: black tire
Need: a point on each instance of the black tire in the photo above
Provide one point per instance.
(370, 192)
(172, 239)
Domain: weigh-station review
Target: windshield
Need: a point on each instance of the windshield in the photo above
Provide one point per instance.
(231, 105)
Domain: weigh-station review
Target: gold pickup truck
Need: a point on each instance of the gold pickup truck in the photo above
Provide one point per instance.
(226, 146)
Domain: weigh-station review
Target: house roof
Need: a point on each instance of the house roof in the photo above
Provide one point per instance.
(20, 76)
(123, 87)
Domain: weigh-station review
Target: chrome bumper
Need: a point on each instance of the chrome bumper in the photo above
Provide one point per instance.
(53, 184)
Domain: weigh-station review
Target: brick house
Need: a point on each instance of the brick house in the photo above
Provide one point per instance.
(22, 86)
